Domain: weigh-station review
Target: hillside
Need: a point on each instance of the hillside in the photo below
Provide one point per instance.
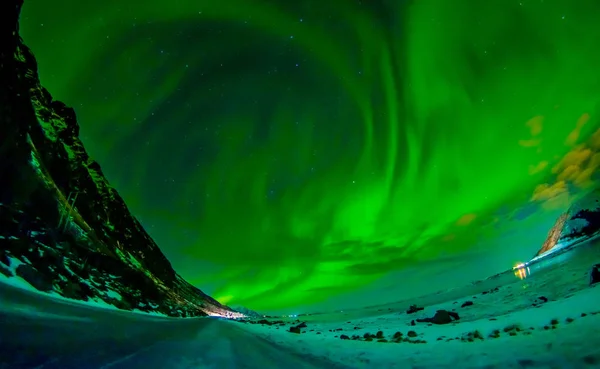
(63, 228)
(579, 223)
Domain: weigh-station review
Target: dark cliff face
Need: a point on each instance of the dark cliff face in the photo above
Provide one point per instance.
(63, 228)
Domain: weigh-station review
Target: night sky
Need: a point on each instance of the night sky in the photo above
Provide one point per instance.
(300, 155)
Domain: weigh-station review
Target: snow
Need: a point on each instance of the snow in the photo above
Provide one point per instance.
(114, 294)
(558, 333)
(16, 281)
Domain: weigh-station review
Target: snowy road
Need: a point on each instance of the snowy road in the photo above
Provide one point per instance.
(55, 334)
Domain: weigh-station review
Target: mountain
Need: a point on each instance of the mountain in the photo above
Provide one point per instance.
(579, 223)
(63, 229)
(247, 312)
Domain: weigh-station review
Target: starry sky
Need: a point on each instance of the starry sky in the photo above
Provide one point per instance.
(291, 156)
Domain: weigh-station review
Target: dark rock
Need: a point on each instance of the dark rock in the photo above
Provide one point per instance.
(413, 309)
(411, 334)
(412, 322)
(73, 290)
(379, 334)
(472, 336)
(344, 337)
(295, 330)
(4, 258)
(590, 359)
(595, 274)
(5, 271)
(34, 277)
(512, 328)
(466, 303)
(441, 317)
(398, 335)
(301, 325)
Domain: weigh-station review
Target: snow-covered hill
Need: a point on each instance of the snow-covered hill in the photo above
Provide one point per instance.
(579, 223)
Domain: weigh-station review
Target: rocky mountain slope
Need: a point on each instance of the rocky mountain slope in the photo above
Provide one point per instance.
(63, 228)
(580, 222)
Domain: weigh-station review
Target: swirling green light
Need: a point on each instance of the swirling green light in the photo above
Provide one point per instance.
(287, 155)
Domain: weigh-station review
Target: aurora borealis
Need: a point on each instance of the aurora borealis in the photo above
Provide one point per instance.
(288, 157)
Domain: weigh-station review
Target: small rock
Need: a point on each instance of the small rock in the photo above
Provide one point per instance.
(569, 320)
(5, 271)
(441, 317)
(382, 340)
(472, 336)
(526, 362)
(344, 337)
(590, 359)
(411, 334)
(595, 274)
(413, 309)
(379, 334)
(495, 334)
(4, 258)
(34, 277)
(301, 325)
(397, 335)
(554, 321)
(295, 330)
(466, 303)
(412, 322)
(512, 328)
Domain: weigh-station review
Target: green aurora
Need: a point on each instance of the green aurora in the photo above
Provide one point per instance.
(289, 157)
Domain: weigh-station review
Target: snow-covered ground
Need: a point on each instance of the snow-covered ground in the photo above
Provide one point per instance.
(548, 319)
(545, 316)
